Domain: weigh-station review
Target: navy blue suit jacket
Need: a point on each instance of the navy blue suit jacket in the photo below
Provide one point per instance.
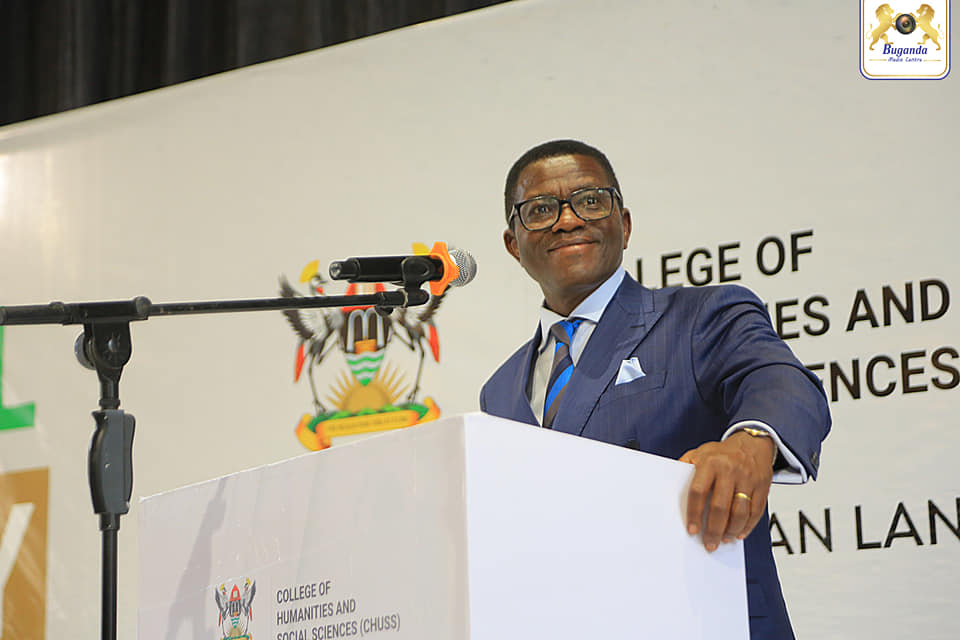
(711, 359)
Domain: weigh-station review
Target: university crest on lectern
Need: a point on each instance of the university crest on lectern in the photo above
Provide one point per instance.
(235, 606)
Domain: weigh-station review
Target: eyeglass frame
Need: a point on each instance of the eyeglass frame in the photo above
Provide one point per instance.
(561, 201)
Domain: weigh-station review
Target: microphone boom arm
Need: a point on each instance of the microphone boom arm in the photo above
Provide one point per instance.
(140, 308)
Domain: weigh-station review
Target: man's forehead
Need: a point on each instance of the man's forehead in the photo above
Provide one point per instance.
(563, 172)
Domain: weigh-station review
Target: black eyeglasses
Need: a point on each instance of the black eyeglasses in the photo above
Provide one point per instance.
(542, 212)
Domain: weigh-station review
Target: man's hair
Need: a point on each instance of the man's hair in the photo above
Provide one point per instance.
(553, 149)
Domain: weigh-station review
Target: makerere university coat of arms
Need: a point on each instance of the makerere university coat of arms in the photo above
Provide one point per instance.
(236, 609)
(370, 394)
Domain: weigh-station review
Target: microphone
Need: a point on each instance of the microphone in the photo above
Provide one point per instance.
(442, 268)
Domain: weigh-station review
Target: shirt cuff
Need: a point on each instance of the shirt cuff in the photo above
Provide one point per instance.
(794, 473)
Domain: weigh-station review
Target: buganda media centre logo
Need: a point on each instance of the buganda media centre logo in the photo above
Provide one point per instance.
(901, 41)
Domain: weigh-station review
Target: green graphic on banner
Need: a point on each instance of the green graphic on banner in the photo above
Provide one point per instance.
(13, 417)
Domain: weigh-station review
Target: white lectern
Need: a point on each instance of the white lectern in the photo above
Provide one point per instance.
(471, 528)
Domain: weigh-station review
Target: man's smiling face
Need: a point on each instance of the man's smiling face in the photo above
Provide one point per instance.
(573, 257)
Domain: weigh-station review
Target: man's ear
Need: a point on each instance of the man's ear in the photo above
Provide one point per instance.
(627, 227)
(510, 242)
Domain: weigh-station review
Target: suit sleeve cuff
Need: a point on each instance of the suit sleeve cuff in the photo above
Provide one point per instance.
(793, 473)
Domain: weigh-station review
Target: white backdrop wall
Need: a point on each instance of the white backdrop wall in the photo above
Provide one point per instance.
(728, 123)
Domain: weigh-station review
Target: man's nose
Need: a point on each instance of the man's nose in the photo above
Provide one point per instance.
(568, 219)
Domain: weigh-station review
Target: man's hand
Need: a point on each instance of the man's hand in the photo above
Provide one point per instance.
(741, 465)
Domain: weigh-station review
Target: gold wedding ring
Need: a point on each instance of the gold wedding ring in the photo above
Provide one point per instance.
(741, 494)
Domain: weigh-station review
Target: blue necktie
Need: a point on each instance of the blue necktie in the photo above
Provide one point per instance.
(562, 369)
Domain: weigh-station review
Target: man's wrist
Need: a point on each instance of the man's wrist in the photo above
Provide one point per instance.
(757, 435)
(787, 468)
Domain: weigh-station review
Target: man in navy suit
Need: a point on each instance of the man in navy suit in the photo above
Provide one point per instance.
(695, 374)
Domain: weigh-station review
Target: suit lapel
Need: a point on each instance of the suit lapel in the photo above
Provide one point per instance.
(625, 323)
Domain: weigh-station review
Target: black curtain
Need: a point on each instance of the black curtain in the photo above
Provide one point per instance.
(61, 54)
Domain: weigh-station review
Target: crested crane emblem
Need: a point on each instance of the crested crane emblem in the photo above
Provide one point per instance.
(370, 393)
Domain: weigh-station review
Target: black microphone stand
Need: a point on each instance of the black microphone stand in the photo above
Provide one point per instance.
(105, 346)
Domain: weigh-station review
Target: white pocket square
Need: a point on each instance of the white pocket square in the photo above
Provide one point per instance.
(630, 370)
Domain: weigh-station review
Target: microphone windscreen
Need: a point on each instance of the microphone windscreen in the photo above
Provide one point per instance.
(467, 265)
